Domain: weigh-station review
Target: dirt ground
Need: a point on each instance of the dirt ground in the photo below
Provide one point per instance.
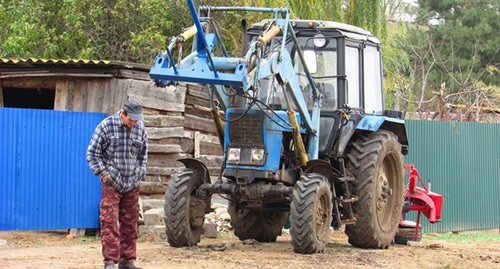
(53, 250)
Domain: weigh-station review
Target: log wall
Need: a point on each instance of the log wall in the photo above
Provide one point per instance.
(179, 126)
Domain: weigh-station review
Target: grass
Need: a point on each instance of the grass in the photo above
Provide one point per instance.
(225, 235)
(463, 237)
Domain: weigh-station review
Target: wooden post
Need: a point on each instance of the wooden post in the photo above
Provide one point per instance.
(197, 139)
(1, 96)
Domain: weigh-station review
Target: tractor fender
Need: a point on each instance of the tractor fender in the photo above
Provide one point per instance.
(198, 166)
(202, 171)
(321, 167)
(396, 126)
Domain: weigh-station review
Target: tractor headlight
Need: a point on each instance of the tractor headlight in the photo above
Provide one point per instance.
(233, 155)
(257, 155)
(319, 40)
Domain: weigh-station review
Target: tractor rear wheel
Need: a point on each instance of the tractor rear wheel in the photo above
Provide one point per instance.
(184, 212)
(375, 160)
(263, 226)
(311, 214)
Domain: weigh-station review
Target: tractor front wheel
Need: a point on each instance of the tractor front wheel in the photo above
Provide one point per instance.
(184, 212)
(311, 214)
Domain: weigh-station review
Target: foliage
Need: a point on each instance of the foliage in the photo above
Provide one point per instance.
(469, 30)
(449, 55)
(399, 77)
(114, 29)
(449, 58)
(135, 30)
(369, 14)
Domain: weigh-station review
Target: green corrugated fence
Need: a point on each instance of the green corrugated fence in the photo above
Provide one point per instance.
(462, 162)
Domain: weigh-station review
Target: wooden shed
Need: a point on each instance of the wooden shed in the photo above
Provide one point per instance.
(178, 120)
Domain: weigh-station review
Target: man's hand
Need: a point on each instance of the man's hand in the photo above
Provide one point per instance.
(104, 179)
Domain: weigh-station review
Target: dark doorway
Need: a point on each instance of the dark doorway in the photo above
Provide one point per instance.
(29, 98)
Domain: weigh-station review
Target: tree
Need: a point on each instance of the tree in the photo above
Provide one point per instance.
(135, 30)
(453, 56)
(469, 30)
(112, 29)
(30, 30)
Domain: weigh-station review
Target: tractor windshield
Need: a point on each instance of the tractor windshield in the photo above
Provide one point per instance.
(324, 72)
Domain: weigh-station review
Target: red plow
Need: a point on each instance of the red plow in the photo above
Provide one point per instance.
(420, 199)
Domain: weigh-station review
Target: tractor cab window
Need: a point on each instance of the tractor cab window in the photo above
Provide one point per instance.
(268, 91)
(352, 73)
(326, 78)
(322, 65)
(321, 60)
(372, 81)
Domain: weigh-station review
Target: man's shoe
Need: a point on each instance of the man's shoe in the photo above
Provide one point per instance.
(127, 266)
(109, 266)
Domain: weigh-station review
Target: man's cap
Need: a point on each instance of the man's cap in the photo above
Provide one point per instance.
(133, 109)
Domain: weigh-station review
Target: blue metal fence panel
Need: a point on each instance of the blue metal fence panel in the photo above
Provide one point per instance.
(45, 182)
(462, 162)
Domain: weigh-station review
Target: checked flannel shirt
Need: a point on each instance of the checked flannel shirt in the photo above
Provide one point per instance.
(119, 152)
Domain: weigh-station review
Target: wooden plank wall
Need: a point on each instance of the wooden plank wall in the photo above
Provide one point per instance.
(178, 121)
(90, 95)
(199, 122)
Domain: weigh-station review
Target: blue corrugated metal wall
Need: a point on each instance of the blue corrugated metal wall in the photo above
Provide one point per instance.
(462, 161)
(45, 182)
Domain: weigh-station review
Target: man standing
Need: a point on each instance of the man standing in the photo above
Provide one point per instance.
(117, 154)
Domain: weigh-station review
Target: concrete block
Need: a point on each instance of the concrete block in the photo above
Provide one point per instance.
(77, 232)
(155, 233)
(153, 217)
(225, 216)
(159, 234)
(148, 204)
(210, 230)
(146, 230)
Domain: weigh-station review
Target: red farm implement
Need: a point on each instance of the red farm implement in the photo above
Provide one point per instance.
(420, 199)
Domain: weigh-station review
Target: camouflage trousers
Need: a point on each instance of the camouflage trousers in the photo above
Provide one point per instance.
(119, 217)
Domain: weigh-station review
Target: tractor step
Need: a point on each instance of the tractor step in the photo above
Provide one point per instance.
(348, 200)
(349, 221)
(345, 179)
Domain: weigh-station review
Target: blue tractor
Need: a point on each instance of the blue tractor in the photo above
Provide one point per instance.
(300, 115)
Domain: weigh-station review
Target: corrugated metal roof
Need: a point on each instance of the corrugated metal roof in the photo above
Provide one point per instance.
(52, 61)
(31, 62)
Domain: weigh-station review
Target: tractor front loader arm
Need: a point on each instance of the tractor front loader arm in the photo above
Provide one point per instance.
(202, 66)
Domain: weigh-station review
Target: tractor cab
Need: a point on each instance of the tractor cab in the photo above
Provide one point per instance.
(337, 56)
(344, 63)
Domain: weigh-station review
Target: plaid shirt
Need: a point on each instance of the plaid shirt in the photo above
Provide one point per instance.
(119, 152)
